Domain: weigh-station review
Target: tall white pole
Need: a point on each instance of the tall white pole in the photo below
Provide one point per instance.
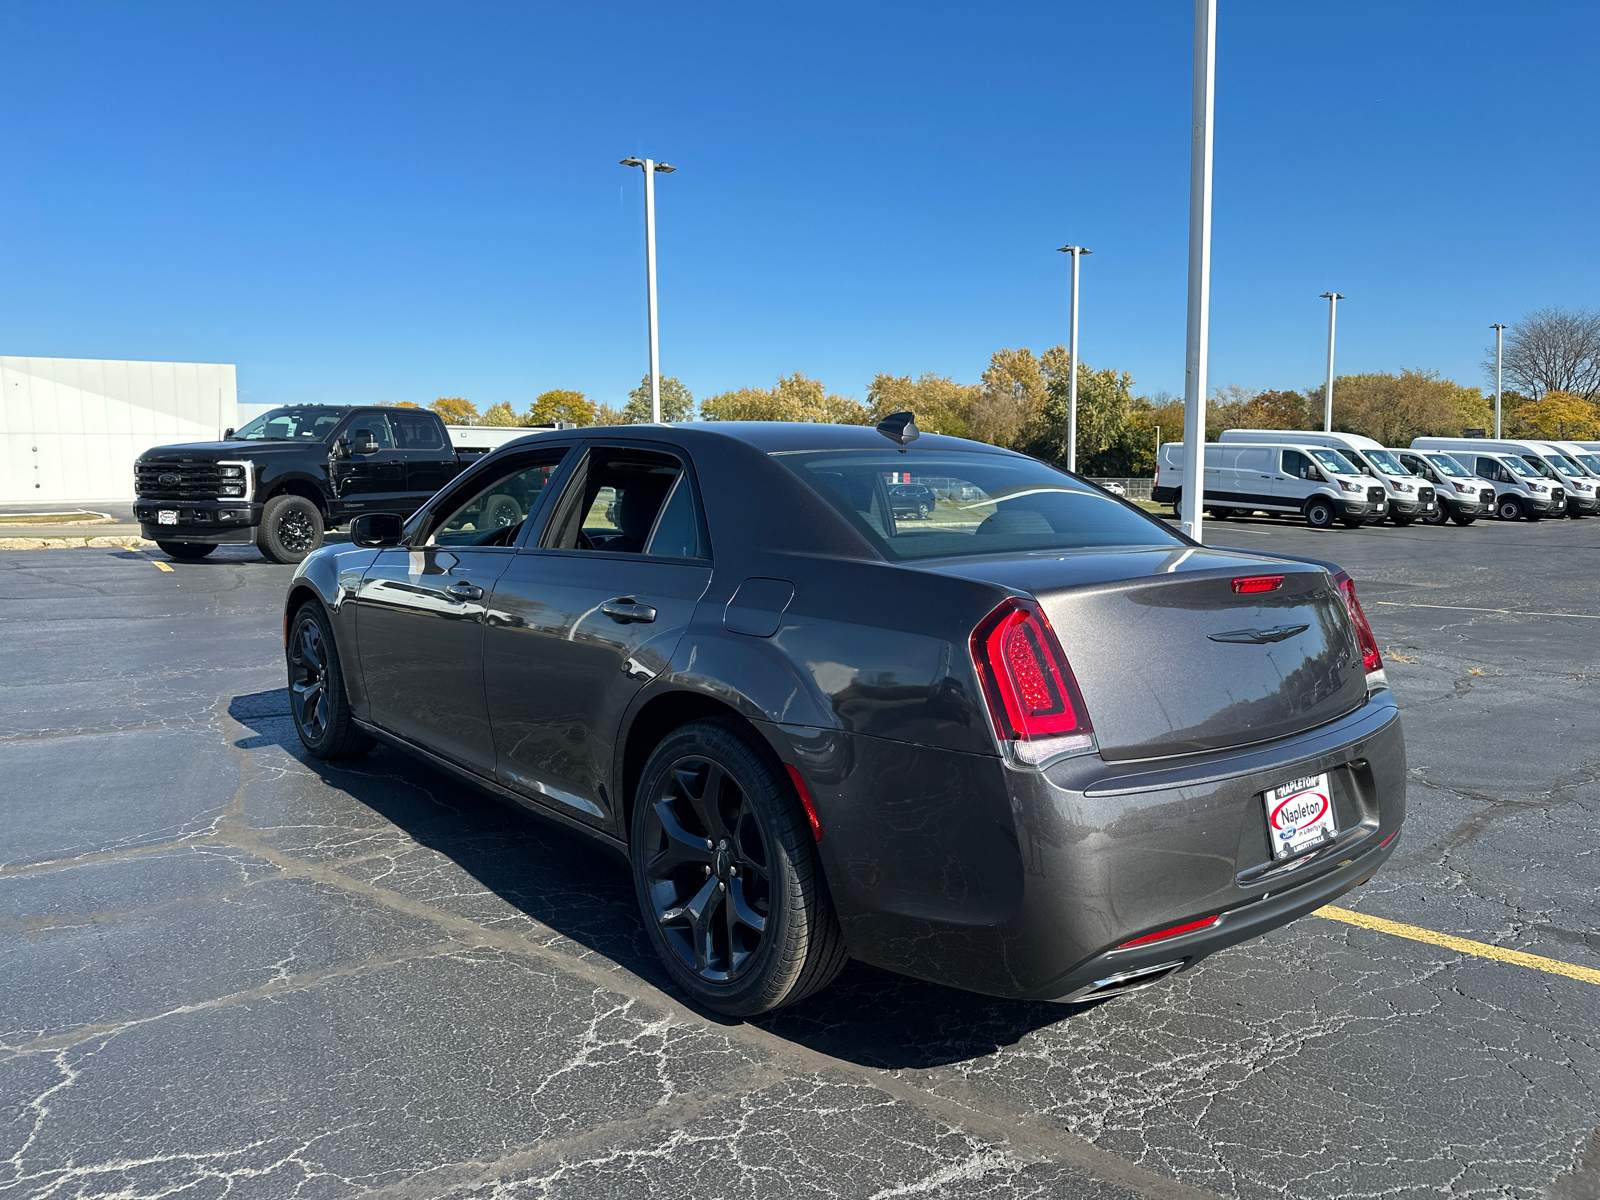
(650, 286)
(1192, 503)
(1333, 299)
(1072, 382)
(1498, 330)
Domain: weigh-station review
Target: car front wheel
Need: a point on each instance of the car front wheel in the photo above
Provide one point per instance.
(1320, 514)
(186, 549)
(1509, 509)
(317, 699)
(726, 872)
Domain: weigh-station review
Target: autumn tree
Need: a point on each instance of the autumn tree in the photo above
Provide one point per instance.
(1553, 350)
(1104, 400)
(1012, 391)
(398, 404)
(455, 410)
(500, 414)
(793, 398)
(940, 403)
(1559, 416)
(1393, 409)
(677, 404)
(560, 404)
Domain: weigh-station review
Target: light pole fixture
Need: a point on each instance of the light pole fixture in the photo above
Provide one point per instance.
(1203, 108)
(650, 168)
(1072, 383)
(1333, 299)
(1498, 332)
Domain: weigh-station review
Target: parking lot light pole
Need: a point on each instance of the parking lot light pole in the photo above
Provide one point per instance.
(1498, 331)
(650, 168)
(1191, 503)
(1333, 299)
(1072, 352)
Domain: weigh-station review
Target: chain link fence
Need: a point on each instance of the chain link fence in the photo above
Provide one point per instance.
(1136, 489)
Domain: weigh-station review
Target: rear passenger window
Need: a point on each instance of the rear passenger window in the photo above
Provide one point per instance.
(415, 431)
(628, 502)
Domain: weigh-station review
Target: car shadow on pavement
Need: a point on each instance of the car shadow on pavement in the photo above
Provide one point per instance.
(562, 881)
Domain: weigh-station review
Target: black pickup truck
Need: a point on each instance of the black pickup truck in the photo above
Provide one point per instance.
(291, 474)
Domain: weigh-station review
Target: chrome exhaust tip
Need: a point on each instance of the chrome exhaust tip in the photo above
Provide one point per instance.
(1124, 982)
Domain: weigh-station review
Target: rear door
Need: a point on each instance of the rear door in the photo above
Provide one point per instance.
(374, 482)
(430, 458)
(420, 612)
(582, 621)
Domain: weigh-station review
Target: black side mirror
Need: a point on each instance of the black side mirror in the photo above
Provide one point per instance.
(376, 530)
(363, 442)
(227, 433)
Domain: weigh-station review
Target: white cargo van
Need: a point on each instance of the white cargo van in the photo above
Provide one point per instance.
(1408, 496)
(1317, 482)
(1582, 484)
(1586, 456)
(1461, 496)
(1519, 459)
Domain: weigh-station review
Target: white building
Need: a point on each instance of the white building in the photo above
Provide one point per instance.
(70, 428)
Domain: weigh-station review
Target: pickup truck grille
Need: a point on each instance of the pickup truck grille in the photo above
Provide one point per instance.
(177, 481)
(1374, 495)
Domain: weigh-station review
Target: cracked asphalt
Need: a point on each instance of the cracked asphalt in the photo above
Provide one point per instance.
(226, 970)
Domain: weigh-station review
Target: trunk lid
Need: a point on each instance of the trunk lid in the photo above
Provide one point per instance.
(1170, 660)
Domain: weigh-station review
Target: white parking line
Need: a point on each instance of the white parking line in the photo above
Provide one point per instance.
(1510, 612)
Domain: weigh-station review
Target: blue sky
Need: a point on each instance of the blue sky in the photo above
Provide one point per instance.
(357, 202)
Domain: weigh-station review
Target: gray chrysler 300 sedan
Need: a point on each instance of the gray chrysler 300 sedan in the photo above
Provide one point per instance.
(1034, 743)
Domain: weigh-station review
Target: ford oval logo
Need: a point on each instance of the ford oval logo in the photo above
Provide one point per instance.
(169, 479)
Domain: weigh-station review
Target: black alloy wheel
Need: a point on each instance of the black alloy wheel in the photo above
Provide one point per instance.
(291, 528)
(500, 512)
(317, 699)
(186, 549)
(1320, 514)
(727, 875)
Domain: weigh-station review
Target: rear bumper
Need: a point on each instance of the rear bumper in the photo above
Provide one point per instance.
(957, 869)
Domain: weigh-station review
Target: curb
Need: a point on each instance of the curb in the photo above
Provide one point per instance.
(130, 541)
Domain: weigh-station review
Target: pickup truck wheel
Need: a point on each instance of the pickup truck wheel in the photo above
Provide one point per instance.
(291, 528)
(501, 511)
(725, 866)
(186, 549)
(317, 699)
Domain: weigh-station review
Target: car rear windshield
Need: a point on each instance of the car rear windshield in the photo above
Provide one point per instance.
(291, 424)
(1446, 465)
(982, 503)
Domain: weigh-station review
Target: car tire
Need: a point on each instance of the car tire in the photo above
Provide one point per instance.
(500, 512)
(318, 703)
(718, 829)
(1220, 514)
(1402, 521)
(1508, 508)
(1320, 514)
(1460, 520)
(291, 528)
(922, 511)
(1438, 516)
(186, 549)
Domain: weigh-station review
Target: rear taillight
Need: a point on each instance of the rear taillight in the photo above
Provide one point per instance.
(1371, 659)
(1033, 699)
(1249, 585)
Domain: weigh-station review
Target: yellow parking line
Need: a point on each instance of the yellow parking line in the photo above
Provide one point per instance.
(1462, 945)
(160, 566)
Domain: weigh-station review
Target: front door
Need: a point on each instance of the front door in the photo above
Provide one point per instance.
(581, 622)
(369, 482)
(420, 611)
(1296, 479)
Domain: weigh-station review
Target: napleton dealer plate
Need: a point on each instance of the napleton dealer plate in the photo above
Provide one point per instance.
(1300, 815)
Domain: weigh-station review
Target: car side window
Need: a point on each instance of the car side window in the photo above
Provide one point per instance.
(496, 510)
(626, 501)
(1296, 464)
(376, 424)
(415, 431)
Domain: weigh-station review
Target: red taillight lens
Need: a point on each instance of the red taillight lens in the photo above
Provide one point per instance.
(1161, 934)
(1371, 659)
(1248, 585)
(1026, 680)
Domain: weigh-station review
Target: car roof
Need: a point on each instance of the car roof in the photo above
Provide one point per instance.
(769, 437)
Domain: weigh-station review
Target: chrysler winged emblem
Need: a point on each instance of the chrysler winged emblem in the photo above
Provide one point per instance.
(1259, 637)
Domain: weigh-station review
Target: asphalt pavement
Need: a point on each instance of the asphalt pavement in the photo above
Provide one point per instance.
(228, 970)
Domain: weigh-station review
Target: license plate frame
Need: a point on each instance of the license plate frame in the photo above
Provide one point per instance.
(166, 516)
(1300, 815)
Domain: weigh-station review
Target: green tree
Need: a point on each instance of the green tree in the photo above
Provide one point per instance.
(455, 410)
(1393, 409)
(940, 404)
(561, 405)
(1105, 398)
(677, 404)
(500, 414)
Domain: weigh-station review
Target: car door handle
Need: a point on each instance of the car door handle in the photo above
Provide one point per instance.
(625, 610)
(464, 591)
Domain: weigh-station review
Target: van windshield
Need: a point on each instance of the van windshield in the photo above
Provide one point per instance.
(1592, 461)
(1568, 469)
(934, 504)
(1446, 465)
(1385, 462)
(1518, 467)
(1333, 462)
